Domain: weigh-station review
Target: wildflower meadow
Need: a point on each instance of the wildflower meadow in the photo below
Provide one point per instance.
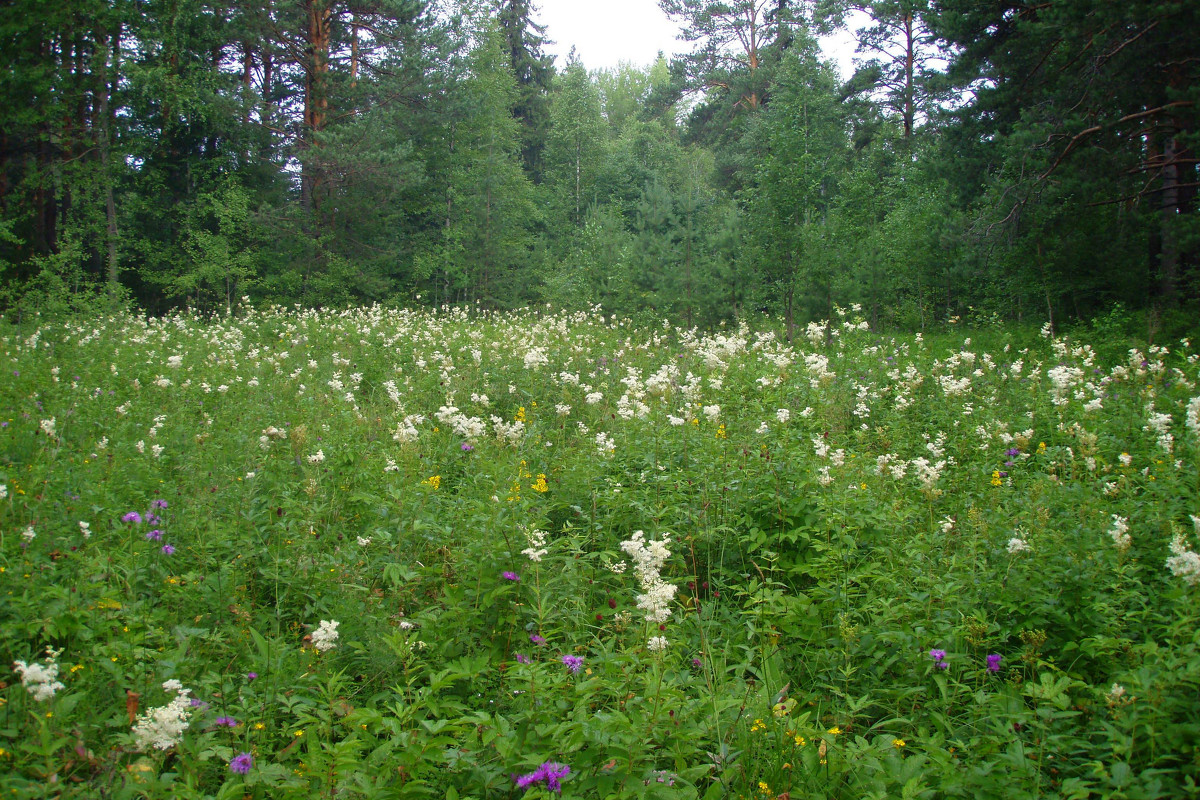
(382, 553)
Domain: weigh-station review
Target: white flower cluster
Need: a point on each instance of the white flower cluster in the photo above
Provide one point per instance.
(1184, 562)
(537, 543)
(1120, 533)
(657, 644)
(648, 560)
(40, 680)
(469, 428)
(162, 727)
(605, 444)
(508, 433)
(1018, 545)
(3, 491)
(325, 636)
(1192, 415)
(406, 429)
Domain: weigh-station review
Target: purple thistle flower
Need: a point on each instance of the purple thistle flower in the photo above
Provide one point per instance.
(1012, 451)
(696, 663)
(228, 722)
(132, 516)
(158, 503)
(467, 447)
(196, 702)
(168, 549)
(251, 676)
(938, 655)
(152, 518)
(573, 663)
(522, 658)
(241, 764)
(550, 772)
(154, 535)
(509, 575)
(993, 662)
(537, 639)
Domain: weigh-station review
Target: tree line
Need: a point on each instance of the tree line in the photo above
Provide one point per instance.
(1021, 160)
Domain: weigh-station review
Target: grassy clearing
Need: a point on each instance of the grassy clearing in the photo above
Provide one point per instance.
(388, 554)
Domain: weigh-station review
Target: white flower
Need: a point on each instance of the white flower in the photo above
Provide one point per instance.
(3, 491)
(657, 644)
(605, 444)
(363, 541)
(783, 415)
(40, 680)
(1017, 545)
(85, 529)
(325, 636)
(712, 412)
(29, 534)
(562, 409)
(618, 567)
(47, 426)
(648, 559)
(141, 446)
(1125, 459)
(1184, 562)
(537, 544)
(317, 457)
(405, 625)
(162, 728)
(1119, 533)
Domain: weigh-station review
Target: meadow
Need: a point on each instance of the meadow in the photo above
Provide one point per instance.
(384, 553)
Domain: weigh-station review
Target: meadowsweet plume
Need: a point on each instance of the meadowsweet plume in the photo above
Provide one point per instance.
(648, 560)
(163, 727)
(325, 637)
(40, 680)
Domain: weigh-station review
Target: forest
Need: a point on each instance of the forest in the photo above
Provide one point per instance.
(1014, 160)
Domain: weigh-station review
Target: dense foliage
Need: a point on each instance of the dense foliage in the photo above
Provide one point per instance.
(1030, 160)
(387, 554)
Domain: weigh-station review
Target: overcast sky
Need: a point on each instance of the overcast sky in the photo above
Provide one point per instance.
(606, 32)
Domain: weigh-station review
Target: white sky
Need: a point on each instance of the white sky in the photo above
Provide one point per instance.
(606, 32)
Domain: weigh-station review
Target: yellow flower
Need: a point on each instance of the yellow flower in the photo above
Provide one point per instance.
(898, 743)
(521, 414)
(258, 726)
(799, 740)
(298, 734)
(996, 478)
(540, 485)
(721, 431)
(835, 730)
(433, 481)
(757, 726)
(1041, 447)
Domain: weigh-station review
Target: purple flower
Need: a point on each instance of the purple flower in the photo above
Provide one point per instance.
(228, 722)
(509, 575)
(241, 764)
(467, 447)
(152, 518)
(993, 662)
(132, 516)
(154, 535)
(1012, 451)
(537, 638)
(696, 663)
(158, 503)
(196, 702)
(168, 549)
(573, 663)
(522, 658)
(251, 676)
(550, 772)
(938, 655)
